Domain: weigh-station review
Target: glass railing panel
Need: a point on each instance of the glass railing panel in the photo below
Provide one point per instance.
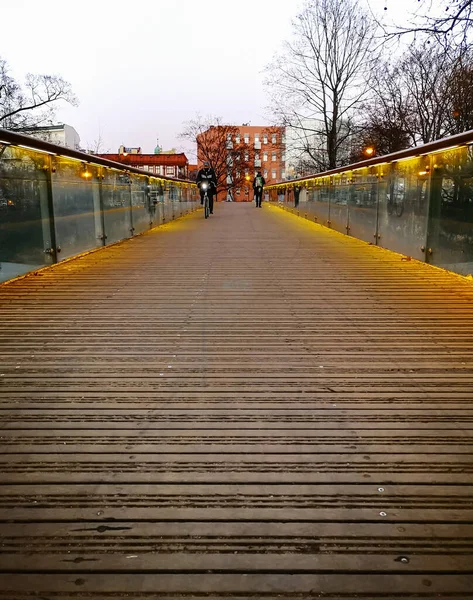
(321, 195)
(450, 240)
(363, 204)
(76, 202)
(116, 198)
(308, 197)
(156, 200)
(403, 206)
(140, 203)
(339, 203)
(25, 227)
(167, 205)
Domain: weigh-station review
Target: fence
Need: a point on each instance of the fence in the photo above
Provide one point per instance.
(418, 202)
(56, 203)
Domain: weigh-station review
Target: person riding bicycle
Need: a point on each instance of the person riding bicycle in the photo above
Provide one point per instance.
(207, 175)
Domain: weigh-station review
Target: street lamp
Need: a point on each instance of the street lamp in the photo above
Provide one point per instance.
(369, 151)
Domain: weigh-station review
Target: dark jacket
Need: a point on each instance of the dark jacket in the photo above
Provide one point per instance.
(257, 183)
(207, 174)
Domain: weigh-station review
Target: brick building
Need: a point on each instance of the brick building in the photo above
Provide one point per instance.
(252, 147)
(169, 165)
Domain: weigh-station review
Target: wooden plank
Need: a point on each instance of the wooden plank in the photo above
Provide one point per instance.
(312, 426)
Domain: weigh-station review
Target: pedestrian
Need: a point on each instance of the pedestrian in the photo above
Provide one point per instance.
(297, 192)
(258, 184)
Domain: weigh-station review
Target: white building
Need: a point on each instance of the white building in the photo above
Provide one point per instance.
(63, 135)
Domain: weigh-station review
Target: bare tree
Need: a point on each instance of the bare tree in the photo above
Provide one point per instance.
(445, 19)
(321, 77)
(97, 146)
(32, 105)
(460, 93)
(426, 95)
(220, 145)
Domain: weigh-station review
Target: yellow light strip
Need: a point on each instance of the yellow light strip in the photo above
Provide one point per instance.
(36, 150)
(445, 149)
(407, 158)
(71, 158)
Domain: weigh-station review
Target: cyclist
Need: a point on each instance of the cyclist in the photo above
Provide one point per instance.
(207, 174)
(258, 184)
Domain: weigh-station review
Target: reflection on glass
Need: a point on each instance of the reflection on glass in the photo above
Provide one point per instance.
(54, 206)
(420, 206)
(141, 219)
(450, 241)
(363, 204)
(76, 203)
(403, 207)
(116, 201)
(25, 233)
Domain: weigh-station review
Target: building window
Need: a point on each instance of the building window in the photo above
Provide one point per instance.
(229, 137)
(237, 138)
(265, 139)
(247, 157)
(283, 175)
(273, 156)
(283, 156)
(237, 191)
(256, 137)
(169, 170)
(247, 138)
(238, 173)
(246, 172)
(265, 173)
(256, 155)
(247, 191)
(265, 156)
(273, 174)
(273, 139)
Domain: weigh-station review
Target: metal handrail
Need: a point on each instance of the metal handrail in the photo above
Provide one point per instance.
(454, 141)
(32, 143)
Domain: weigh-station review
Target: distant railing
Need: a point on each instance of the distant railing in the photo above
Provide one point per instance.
(417, 202)
(56, 202)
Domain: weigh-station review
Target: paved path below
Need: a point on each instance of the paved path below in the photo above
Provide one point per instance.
(248, 407)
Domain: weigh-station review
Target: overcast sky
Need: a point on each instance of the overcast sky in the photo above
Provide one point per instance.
(141, 69)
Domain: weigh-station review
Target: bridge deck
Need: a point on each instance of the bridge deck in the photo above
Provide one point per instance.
(249, 407)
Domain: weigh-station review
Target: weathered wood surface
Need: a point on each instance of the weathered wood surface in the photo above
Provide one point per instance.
(246, 407)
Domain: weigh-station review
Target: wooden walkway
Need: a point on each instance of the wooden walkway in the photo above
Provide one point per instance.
(248, 407)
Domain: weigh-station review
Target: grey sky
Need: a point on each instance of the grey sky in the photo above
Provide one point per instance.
(141, 72)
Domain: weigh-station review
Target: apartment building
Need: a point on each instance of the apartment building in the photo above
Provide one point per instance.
(249, 148)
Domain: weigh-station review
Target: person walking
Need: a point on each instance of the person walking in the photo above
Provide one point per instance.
(258, 184)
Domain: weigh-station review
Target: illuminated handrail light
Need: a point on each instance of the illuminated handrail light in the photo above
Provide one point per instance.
(4, 142)
(71, 158)
(36, 149)
(444, 149)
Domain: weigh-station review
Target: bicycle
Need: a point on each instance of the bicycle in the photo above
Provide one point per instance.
(205, 187)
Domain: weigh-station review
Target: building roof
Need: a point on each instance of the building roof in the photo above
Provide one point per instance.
(179, 160)
(47, 127)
